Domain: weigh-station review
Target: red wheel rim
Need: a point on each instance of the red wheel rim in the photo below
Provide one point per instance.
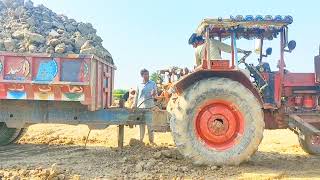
(315, 140)
(219, 124)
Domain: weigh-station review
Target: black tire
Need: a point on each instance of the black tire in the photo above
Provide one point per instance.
(9, 135)
(306, 144)
(185, 108)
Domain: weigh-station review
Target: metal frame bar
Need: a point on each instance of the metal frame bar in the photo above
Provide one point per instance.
(21, 113)
(296, 121)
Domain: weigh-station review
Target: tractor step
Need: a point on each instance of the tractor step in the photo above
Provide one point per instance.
(295, 121)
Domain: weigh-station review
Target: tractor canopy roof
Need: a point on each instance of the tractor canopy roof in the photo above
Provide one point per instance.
(248, 27)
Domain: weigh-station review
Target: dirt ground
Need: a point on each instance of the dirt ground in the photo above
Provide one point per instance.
(58, 152)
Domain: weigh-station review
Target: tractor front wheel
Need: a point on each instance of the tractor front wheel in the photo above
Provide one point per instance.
(217, 121)
(310, 143)
(9, 135)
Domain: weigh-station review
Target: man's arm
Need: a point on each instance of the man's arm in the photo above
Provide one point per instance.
(226, 47)
(154, 90)
(198, 55)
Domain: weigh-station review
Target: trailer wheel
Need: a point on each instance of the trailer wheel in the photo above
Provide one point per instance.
(9, 135)
(309, 143)
(216, 121)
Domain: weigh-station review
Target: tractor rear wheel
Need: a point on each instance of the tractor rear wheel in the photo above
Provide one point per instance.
(216, 121)
(310, 143)
(9, 135)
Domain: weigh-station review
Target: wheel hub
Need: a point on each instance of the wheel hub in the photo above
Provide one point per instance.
(315, 140)
(218, 123)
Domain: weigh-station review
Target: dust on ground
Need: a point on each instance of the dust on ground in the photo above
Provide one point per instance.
(46, 147)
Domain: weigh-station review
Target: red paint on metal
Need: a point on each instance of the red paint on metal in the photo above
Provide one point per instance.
(219, 123)
(280, 77)
(308, 101)
(298, 100)
(299, 79)
(220, 64)
(21, 73)
(275, 119)
(201, 74)
(277, 89)
(232, 51)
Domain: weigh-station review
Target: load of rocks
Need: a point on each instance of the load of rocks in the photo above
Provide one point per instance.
(36, 29)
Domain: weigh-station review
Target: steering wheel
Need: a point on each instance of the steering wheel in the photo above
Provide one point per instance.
(253, 71)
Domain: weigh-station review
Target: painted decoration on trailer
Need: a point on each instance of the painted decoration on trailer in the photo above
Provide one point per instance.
(73, 96)
(17, 70)
(3, 92)
(73, 93)
(44, 93)
(47, 70)
(71, 71)
(1, 67)
(16, 91)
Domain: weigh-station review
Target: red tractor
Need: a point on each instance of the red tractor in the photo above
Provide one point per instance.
(219, 113)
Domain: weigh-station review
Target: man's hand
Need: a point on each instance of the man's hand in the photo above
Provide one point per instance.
(153, 93)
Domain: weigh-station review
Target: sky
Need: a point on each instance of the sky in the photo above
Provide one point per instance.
(154, 34)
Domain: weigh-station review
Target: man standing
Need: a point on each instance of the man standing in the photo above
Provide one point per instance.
(147, 91)
(215, 48)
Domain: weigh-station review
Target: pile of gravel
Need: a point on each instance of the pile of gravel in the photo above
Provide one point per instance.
(26, 28)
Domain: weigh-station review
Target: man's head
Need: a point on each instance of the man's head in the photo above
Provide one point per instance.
(145, 75)
(196, 40)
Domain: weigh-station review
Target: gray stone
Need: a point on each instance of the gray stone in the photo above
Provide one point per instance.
(10, 44)
(61, 177)
(19, 34)
(89, 51)
(83, 29)
(60, 31)
(28, 4)
(157, 155)
(25, 28)
(139, 166)
(50, 50)
(58, 25)
(14, 178)
(69, 48)
(60, 48)
(2, 47)
(70, 28)
(79, 41)
(151, 162)
(13, 3)
(53, 42)
(22, 49)
(31, 21)
(46, 25)
(54, 33)
(88, 44)
(32, 48)
(34, 37)
(184, 169)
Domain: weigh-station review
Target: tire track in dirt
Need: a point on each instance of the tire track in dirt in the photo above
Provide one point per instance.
(279, 156)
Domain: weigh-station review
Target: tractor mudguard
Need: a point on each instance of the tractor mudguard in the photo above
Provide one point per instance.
(235, 75)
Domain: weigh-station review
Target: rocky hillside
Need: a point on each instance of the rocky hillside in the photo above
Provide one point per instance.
(36, 29)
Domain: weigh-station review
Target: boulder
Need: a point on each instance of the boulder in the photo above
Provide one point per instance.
(34, 37)
(60, 48)
(10, 44)
(53, 42)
